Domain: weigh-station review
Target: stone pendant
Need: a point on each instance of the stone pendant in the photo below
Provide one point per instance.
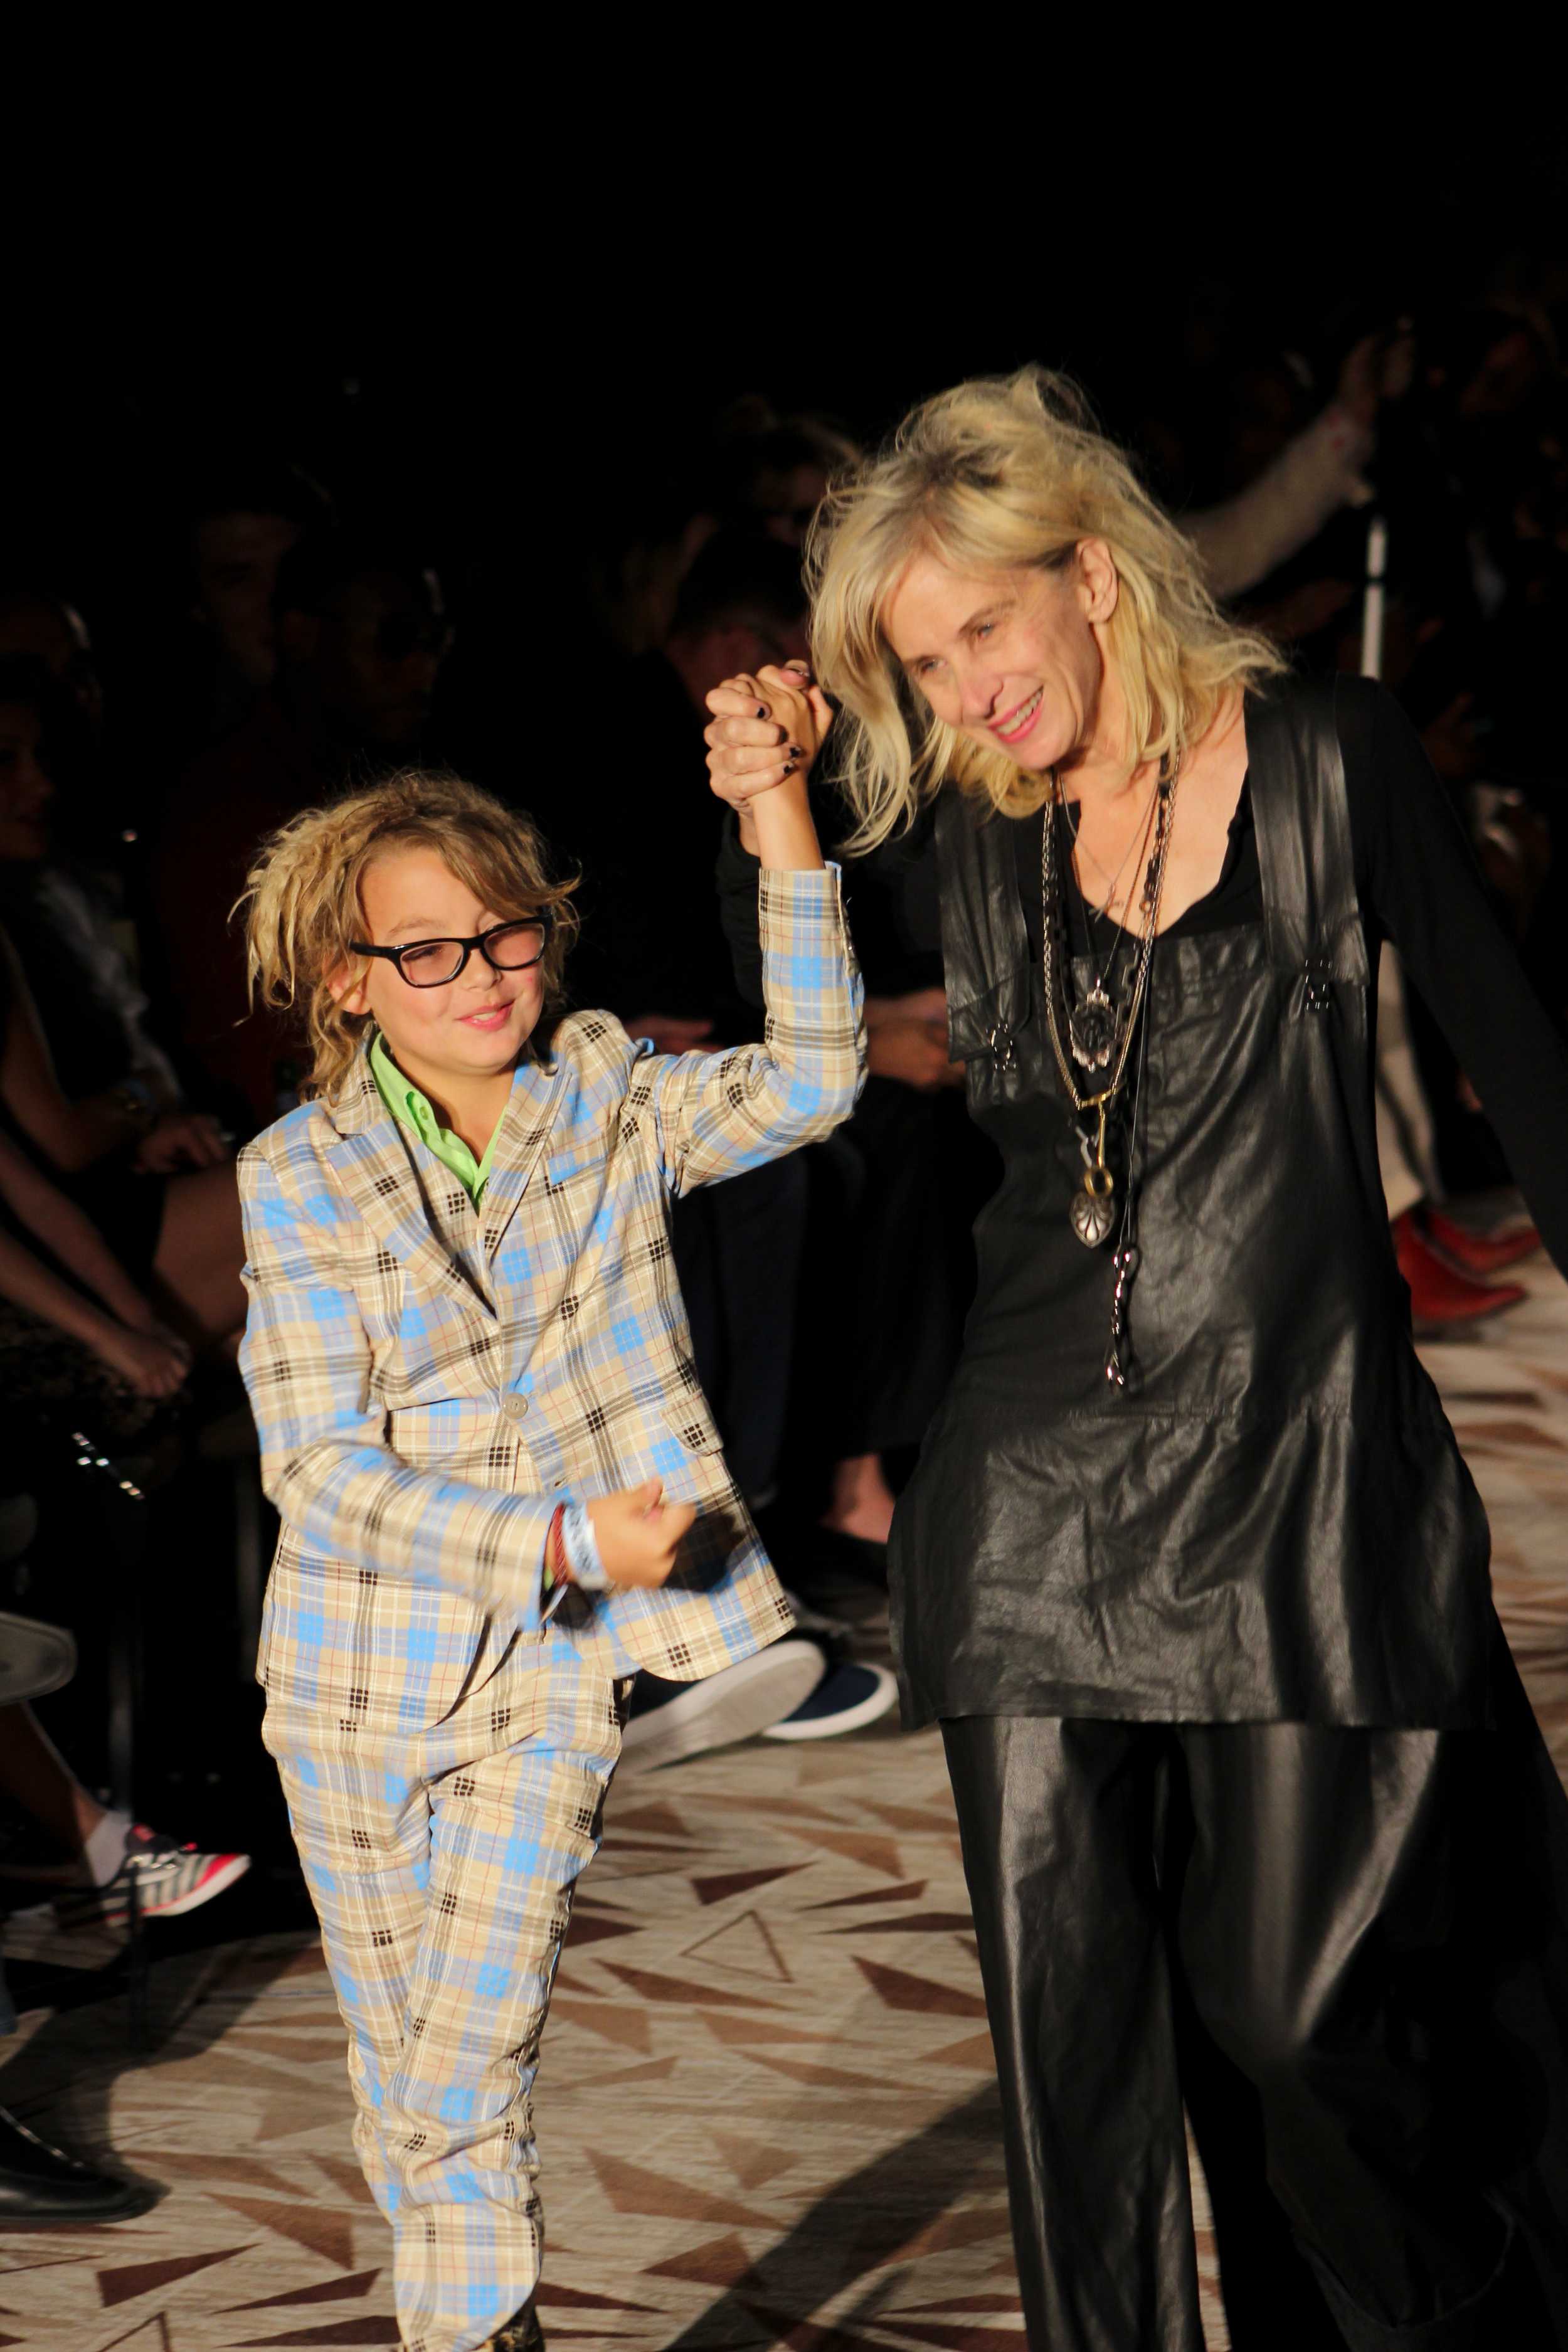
(1091, 1026)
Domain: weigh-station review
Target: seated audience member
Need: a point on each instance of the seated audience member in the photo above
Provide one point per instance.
(39, 627)
(654, 954)
(92, 1847)
(75, 1329)
(244, 519)
(881, 1320)
(879, 1347)
(45, 647)
(81, 1084)
(361, 632)
(771, 471)
(105, 1855)
(652, 950)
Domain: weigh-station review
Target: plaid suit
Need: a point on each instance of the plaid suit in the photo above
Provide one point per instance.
(429, 1381)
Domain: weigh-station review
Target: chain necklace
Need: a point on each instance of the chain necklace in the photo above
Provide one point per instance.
(1140, 832)
(1093, 1022)
(1093, 1212)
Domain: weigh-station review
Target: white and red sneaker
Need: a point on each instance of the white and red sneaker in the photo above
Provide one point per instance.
(170, 1878)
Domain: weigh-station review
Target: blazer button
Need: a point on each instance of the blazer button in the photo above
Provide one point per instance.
(514, 1407)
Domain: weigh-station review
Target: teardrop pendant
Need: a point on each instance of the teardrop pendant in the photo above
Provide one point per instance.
(1093, 1211)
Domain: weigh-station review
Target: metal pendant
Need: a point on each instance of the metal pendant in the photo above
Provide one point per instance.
(1093, 1211)
(1091, 1027)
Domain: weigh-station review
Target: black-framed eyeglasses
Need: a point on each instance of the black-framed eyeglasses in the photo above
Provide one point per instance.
(431, 963)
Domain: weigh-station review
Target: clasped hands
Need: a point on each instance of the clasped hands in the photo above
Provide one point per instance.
(763, 736)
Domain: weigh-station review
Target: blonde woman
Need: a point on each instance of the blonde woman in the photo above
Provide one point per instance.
(1191, 1570)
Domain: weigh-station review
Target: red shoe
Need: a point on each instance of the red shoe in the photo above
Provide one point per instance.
(1439, 1293)
(1480, 1253)
(171, 1879)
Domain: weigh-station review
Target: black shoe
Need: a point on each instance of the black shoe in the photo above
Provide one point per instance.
(40, 2184)
(522, 2333)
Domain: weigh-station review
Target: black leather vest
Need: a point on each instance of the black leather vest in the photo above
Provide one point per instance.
(1278, 1525)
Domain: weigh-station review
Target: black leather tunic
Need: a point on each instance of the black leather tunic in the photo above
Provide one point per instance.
(1277, 1526)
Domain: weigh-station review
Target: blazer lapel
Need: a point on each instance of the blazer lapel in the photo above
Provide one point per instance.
(371, 1159)
(530, 1114)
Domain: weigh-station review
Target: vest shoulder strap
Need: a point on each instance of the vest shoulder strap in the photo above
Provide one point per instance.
(985, 947)
(1301, 809)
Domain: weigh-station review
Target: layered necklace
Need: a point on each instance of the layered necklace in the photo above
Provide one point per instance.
(1094, 1033)
(1092, 1021)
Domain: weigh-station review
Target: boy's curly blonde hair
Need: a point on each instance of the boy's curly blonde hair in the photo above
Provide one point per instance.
(302, 907)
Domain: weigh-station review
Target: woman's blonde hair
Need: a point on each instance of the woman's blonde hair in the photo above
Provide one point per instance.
(302, 903)
(997, 474)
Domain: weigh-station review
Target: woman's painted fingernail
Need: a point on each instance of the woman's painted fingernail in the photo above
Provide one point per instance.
(789, 767)
(762, 711)
(796, 752)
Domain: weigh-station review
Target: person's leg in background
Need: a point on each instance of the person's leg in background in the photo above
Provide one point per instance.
(106, 1848)
(443, 1903)
(1441, 1290)
(1058, 1824)
(903, 1298)
(741, 1251)
(738, 1251)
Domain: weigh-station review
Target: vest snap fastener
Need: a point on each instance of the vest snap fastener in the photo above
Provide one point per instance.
(999, 1044)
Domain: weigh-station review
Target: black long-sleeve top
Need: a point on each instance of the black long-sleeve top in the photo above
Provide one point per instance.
(1418, 887)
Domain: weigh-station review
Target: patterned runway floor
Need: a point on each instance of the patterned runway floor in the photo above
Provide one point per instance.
(766, 2107)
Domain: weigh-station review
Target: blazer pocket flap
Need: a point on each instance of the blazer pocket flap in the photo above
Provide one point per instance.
(570, 1161)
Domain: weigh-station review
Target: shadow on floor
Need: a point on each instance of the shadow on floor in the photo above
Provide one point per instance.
(61, 2080)
(859, 2226)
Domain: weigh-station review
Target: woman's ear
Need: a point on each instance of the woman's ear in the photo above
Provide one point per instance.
(1098, 582)
(347, 991)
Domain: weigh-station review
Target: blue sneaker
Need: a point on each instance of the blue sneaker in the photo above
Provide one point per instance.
(847, 1698)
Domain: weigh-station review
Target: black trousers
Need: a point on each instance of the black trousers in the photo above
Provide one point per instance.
(737, 1252)
(1345, 1950)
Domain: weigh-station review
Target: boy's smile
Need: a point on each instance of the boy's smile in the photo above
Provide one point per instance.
(460, 1042)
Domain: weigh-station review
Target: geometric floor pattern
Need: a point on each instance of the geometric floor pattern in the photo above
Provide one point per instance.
(766, 2107)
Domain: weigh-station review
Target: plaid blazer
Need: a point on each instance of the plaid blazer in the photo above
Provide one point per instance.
(430, 1380)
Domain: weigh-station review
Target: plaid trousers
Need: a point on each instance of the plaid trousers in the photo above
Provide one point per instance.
(441, 1868)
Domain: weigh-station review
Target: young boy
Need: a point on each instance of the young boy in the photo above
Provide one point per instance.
(500, 1488)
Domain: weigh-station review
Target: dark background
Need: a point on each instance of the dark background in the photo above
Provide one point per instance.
(513, 368)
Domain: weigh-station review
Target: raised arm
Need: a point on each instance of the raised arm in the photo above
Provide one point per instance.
(718, 1114)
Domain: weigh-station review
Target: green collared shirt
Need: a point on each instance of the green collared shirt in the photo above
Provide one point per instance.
(412, 1109)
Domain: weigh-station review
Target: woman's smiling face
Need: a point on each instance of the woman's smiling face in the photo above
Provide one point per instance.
(1012, 659)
